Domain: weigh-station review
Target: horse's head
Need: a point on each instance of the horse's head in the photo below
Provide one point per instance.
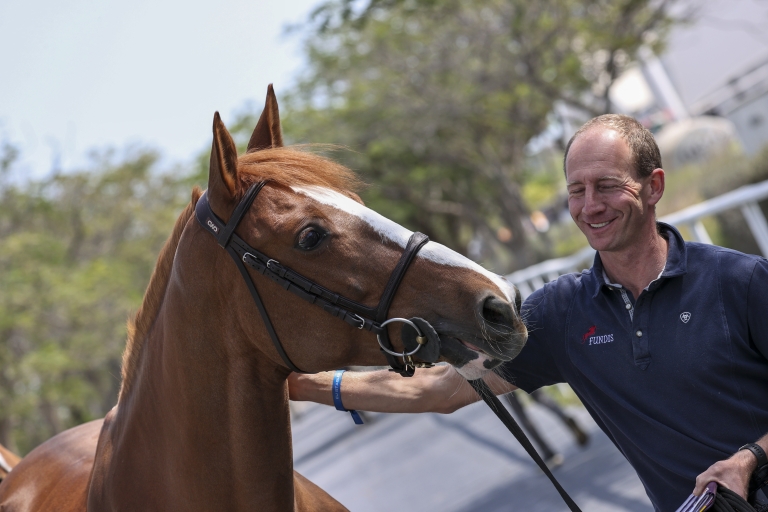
(307, 218)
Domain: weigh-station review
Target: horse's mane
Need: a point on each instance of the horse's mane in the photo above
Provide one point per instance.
(139, 325)
(285, 166)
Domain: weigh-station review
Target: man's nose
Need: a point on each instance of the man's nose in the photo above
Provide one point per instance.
(592, 202)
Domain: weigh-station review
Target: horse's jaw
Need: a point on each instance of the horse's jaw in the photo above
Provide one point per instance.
(478, 368)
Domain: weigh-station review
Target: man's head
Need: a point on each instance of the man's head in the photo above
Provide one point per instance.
(645, 151)
(614, 177)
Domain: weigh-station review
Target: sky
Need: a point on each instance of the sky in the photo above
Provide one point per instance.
(82, 74)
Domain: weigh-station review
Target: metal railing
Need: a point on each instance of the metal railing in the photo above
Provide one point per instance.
(745, 198)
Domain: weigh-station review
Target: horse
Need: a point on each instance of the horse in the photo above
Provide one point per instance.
(202, 419)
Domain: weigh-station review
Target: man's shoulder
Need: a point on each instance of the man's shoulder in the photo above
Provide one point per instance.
(704, 250)
(706, 257)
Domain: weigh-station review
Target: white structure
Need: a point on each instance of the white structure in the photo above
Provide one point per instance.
(745, 198)
(694, 140)
(717, 65)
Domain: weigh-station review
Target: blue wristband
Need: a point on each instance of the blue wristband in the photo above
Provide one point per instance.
(337, 397)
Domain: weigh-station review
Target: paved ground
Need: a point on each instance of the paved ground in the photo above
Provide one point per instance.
(463, 462)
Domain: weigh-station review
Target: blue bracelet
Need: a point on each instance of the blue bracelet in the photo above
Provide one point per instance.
(337, 397)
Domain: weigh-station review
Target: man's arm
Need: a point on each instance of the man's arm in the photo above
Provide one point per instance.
(438, 389)
(732, 473)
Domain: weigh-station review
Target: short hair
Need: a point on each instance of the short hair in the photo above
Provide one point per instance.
(642, 145)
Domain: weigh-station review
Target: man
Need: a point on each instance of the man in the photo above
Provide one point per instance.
(665, 342)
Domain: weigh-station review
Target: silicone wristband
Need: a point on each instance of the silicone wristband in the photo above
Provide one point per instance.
(337, 398)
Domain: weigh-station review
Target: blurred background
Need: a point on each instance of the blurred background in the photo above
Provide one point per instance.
(454, 112)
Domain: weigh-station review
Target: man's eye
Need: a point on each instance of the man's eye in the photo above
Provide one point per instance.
(310, 238)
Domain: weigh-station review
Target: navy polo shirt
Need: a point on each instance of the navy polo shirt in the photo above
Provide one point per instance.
(677, 377)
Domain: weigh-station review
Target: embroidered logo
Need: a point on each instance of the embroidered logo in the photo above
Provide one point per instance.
(595, 340)
(685, 316)
(587, 334)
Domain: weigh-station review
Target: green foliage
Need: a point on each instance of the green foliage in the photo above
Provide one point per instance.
(76, 252)
(438, 101)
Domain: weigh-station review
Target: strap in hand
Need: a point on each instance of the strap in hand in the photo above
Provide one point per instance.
(337, 398)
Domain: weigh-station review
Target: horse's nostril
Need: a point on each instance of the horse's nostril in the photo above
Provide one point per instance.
(498, 312)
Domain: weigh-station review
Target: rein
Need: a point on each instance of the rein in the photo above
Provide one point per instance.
(493, 402)
(355, 314)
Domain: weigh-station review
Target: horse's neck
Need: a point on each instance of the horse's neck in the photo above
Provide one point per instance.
(206, 420)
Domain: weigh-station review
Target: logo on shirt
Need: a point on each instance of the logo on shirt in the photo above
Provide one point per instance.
(595, 340)
(685, 316)
(587, 334)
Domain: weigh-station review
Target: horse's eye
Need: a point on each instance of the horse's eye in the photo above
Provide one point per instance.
(310, 238)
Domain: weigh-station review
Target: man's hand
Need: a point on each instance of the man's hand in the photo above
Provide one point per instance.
(733, 473)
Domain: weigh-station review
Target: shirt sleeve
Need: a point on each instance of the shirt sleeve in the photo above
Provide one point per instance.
(757, 301)
(535, 366)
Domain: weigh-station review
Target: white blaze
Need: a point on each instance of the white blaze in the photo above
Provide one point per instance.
(390, 230)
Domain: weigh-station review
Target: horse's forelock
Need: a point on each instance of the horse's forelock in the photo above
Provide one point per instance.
(297, 166)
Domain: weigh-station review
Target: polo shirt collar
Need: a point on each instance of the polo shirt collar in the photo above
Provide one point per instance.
(676, 264)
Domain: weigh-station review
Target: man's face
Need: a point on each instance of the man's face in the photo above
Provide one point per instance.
(605, 198)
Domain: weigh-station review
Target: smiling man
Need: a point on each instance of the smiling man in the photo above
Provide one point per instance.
(664, 341)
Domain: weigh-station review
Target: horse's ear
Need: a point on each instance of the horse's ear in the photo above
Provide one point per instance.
(267, 133)
(222, 176)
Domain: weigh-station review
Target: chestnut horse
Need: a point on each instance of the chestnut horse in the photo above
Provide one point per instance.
(202, 420)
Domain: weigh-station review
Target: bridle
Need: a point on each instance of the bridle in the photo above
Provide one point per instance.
(353, 313)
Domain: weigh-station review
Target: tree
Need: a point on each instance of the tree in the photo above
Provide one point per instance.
(76, 252)
(439, 100)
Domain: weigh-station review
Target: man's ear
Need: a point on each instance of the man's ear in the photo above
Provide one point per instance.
(222, 174)
(656, 184)
(267, 133)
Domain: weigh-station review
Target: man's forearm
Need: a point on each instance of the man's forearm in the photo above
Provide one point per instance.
(438, 389)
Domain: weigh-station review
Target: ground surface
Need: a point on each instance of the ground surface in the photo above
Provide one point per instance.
(463, 462)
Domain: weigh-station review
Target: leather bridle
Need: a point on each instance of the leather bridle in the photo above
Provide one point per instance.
(353, 313)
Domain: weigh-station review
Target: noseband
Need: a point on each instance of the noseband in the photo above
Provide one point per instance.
(354, 313)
